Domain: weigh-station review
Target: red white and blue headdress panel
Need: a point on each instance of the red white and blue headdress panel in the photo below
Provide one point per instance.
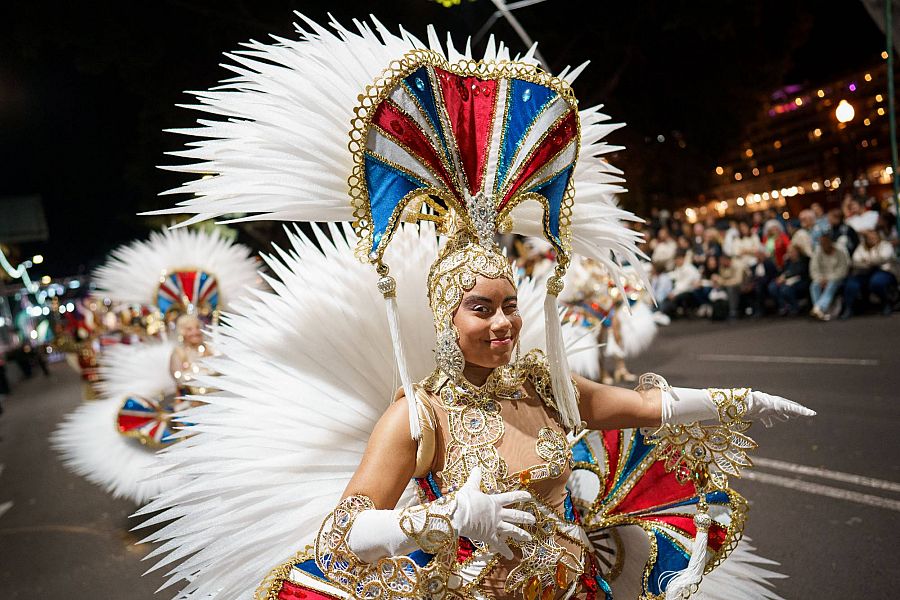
(191, 291)
(435, 136)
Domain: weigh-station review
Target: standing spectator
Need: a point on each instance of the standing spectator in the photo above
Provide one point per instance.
(747, 246)
(732, 234)
(685, 279)
(793, 282)
(660, 283)
(663, 249)
(776, 242)
(872, 264)
(802, 238)
(828, 268)
(841, 233)
(730, 278)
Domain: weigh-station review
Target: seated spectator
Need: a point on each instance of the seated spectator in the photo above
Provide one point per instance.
(802, 238)
(827, 269)
(775, 242)
(747, 246)
(708, 273)
(871, 274)
(684, 245)
(660, 283)
(859, 219)
(793, 282)
(730, 278)
(732, 234)
(685, 278)
(762, 275)
(821, 226)
(698, 250)
(841, 233)
(663, 249)
(887, 227)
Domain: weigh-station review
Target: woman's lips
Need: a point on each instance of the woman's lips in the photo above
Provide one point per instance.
(501, 343)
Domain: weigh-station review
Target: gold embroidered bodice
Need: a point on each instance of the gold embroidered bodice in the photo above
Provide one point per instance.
(510, 429)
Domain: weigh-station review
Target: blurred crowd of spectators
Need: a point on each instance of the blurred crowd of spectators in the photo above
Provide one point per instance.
(828, 264)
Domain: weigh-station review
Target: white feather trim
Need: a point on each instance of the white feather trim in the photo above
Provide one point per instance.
(132, 272)
(743, 576)
(272, 164)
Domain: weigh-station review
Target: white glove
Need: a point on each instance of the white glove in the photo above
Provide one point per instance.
(482, 517)
(686, 405)
(377, 534)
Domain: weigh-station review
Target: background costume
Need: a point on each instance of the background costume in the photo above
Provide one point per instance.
(112, 441)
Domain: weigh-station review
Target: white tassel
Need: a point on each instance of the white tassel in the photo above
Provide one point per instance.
(388, 287)
(560, 377)
(683, 580)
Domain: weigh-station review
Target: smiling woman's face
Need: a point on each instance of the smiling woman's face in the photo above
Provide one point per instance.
(488, 322)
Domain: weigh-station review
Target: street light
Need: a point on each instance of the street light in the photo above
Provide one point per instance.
(844, 112)
(37, 259)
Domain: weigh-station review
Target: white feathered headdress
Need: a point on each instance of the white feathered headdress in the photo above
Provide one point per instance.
(488, 145)
(180, 270)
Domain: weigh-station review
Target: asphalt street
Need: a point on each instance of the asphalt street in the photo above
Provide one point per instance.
(825, 495)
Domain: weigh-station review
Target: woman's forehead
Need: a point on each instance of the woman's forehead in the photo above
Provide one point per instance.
(500, 287)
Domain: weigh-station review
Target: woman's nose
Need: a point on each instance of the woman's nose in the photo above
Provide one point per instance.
(501, 322)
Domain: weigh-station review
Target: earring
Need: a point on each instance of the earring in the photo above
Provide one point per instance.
(448, 355)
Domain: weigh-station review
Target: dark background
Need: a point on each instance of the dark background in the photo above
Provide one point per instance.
(86, 89)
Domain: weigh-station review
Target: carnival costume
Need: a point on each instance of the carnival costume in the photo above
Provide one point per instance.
(621, 314)
(112, 441)
(513, 498)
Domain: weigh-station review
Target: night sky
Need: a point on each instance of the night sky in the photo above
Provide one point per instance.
(86, 89)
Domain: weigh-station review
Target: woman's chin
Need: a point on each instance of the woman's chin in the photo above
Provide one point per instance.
(496, 361)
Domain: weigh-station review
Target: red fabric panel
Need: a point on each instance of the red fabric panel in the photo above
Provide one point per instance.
(555, 141)
(399, 126)
(470, 105)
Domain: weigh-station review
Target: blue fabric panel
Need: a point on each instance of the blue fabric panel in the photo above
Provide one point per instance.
(670, 558)
(553, 190)
(387, 186)
(525, 102)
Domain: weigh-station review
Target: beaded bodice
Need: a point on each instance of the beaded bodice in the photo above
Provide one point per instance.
(509, 428)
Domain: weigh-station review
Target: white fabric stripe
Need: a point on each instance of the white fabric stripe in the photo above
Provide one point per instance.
(493, 157)
(682, 539)
(387, 148)
(305, 579)
(402, 97)
(545, 121)
(721, 513)
(562, 160)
